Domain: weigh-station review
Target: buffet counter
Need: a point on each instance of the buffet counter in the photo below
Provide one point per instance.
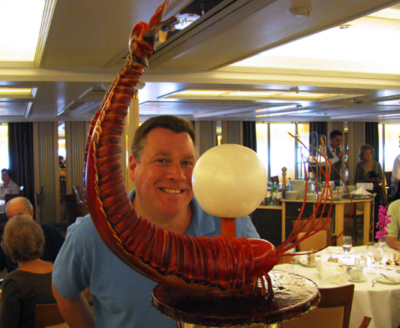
(338, 215)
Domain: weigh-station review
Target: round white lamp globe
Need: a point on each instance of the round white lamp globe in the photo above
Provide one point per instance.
(229, 181)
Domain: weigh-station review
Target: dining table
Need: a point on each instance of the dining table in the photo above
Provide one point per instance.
(374, 295)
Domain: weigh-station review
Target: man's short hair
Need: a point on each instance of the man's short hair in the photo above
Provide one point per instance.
(23, 239)
(9, 172)
(23, 201)
(335, 133)
(169, 122)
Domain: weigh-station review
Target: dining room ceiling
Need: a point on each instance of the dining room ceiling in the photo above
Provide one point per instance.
(254, 60)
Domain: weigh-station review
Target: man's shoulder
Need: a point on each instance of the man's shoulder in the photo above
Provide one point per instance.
(394, 210)
(83, 226)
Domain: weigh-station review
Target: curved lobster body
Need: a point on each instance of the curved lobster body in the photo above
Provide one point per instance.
(198, 264)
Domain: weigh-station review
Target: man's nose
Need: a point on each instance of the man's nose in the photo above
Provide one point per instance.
(175, 171)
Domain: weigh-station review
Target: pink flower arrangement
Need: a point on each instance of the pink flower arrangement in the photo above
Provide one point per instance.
(382, 223)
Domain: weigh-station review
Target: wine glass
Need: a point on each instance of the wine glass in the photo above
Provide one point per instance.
(370, 251)
(378, 254)
(347, 245)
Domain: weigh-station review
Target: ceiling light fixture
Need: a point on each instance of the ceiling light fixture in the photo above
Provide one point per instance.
(388, 13)
(17, 92)
(19, 37)
(285, 113)
(270, 109)
(256, 95)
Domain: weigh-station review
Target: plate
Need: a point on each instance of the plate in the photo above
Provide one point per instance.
(357, 196)
(363, 278)
(383, 280)
(304, 263)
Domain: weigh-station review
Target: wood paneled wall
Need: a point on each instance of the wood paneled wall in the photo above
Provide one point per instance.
(46, 169)
(206, 135)
(75, 143)
(232, 132)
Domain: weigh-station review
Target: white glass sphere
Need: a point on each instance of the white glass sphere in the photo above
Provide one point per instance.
(229, 181)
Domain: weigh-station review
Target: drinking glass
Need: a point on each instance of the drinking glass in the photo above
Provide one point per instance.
(370, 252)
(360, 261)
(378, 254)
(347, 245)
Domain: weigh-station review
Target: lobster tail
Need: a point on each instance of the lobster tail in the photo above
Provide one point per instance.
(197, 264)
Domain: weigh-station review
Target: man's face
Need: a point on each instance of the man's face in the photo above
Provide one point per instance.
(336, 142)
(5, 177)
(163, 178)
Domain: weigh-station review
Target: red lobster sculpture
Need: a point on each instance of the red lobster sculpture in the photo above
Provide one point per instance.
(201, 264)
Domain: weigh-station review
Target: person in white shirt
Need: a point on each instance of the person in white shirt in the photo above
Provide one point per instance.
(9, 186)
(335, 154)
(394, 188)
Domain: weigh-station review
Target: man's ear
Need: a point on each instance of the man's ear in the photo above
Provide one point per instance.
(132, 167)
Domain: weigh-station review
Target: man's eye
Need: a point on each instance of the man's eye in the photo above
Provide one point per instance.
(188, 163)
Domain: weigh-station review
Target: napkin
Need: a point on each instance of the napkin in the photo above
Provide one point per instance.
(332, 273)
(361, 191)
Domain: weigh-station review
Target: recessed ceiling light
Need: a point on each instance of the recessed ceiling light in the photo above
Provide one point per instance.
(17, 92)
(256, 95)
(388, 13)
(19, 29)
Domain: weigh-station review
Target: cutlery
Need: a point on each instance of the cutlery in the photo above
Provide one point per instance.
(373, 282)
(388, 278)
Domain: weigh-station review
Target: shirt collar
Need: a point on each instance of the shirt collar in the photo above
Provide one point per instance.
(201, 224)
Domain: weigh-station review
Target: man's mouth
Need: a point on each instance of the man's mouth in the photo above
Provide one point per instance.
(171, 191)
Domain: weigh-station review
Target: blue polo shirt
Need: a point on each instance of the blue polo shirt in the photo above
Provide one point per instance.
(121, 296)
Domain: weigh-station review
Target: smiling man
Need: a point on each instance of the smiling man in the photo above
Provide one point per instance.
(161, 165)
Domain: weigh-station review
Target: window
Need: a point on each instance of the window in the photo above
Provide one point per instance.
(4, 159)
(277, 149)
(61, 140)
(389, 142)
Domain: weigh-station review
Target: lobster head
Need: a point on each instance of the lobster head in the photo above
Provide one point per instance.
(144, 36)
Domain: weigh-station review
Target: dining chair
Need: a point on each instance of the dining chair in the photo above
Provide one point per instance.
(357, 215)
(8, 197)
(333, 310)
(365, 323)
(71, 207)
(82, 207)
(49, 315)
(318, 240)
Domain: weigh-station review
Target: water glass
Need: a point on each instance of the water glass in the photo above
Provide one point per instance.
(378, 254)
(360, 262)
(370, 253)
(347, 245)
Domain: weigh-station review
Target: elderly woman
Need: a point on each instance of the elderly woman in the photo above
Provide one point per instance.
(369, 170)
(30, 284)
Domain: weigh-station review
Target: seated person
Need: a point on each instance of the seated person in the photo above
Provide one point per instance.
(393, 227)
(53, 239)
(9, 186)
(30, 284)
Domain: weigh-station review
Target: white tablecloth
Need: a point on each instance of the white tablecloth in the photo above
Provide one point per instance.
(381, 303)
